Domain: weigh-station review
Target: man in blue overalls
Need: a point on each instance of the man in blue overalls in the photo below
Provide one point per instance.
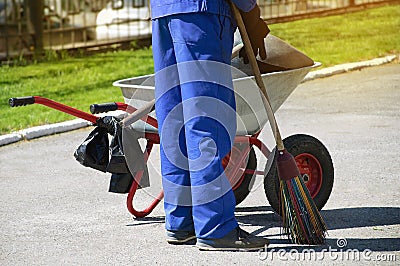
(195, 108)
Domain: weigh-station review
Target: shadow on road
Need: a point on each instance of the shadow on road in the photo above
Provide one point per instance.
(147, 220)
(346, 218)
(361, 217)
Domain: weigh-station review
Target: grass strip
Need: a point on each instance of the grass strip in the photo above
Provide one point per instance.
(81, 81)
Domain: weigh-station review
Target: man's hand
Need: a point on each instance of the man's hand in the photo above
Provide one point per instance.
(257, 30)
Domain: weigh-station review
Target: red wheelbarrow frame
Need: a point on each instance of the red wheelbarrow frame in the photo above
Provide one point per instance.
(237, 163)
(235, 175)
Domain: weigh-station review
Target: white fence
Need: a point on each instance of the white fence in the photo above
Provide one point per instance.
(29, 26)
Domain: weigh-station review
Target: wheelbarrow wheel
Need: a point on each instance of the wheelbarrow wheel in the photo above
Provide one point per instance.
(241, 190)
(315, 165)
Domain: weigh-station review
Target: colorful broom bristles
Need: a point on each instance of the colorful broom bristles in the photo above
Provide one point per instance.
(302, 222)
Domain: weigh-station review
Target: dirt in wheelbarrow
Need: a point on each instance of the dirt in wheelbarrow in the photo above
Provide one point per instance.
(55, 211)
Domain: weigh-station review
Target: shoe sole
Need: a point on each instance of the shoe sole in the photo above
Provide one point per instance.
(180, 241)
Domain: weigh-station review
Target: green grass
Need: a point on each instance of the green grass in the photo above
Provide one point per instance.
(77, 82)
(82, 81)
(347, 38)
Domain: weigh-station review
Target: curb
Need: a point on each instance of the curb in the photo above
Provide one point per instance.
(41, 131)
(343, 68)
(46, 130)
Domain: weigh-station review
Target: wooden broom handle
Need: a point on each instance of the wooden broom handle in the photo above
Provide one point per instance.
(257, 75)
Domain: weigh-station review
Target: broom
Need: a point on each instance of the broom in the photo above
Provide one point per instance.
(302, 222)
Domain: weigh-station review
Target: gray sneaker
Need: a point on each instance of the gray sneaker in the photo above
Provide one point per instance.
(180, 237)
(236, 240)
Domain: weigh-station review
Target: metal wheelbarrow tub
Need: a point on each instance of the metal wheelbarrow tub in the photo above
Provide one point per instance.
(251, 115)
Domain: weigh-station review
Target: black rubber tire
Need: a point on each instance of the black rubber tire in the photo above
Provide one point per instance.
(298, 144)
(243, 190)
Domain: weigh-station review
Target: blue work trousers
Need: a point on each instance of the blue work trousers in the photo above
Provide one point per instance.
(195, 108)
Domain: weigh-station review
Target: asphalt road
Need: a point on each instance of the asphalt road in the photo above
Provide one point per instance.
(56, 212)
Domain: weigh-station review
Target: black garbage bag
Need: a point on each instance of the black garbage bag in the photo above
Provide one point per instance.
(117, 164)
(120, 183)
(94, 151)
(134, 155)
(122, 175)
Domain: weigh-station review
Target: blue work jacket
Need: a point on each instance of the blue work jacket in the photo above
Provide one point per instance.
(162, 8)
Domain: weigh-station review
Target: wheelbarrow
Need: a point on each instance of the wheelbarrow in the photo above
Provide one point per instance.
(241, 167)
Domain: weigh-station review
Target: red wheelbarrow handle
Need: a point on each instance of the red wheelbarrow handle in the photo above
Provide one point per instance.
(94, 108)
(22, 101)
